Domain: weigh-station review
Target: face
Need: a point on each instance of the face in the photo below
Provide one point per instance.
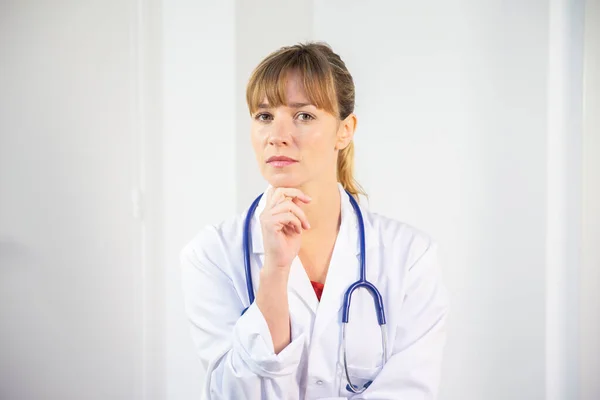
(297, 143)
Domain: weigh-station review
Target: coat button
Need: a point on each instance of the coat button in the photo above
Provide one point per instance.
(319, 382)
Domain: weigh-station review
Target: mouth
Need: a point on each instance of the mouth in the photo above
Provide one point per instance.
(281, 161)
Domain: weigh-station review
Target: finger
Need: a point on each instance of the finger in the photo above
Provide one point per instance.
(290, 228)
(287, 220)
(280, 194)
(269, 194)
(297, 202)
(290, 206)
(275, 197)
(279, 199)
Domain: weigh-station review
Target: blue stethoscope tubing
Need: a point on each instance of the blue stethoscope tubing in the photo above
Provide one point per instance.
(362, 282)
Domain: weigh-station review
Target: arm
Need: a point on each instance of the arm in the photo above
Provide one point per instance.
(272, 301)
(236, 352)
(413, 370)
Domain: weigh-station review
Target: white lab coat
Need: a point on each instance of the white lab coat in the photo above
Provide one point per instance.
(236, 351)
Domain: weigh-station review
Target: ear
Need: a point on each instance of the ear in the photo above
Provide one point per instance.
(345, 132)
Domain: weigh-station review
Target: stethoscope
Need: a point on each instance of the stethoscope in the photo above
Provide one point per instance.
(362, 282)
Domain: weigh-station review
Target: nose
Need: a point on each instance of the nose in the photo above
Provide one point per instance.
(280, 133)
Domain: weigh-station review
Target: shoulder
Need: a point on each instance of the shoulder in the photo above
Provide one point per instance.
(398, 237)
(407, 254)
(214, 245)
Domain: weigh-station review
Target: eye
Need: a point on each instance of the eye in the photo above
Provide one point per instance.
(305, 117)
(263, 117)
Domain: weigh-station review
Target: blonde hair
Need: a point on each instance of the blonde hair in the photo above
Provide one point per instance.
(327, 83)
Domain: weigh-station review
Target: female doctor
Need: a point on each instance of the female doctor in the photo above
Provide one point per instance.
(307, 295)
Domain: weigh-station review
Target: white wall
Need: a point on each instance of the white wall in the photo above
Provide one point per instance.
(198, 155)
(564, 197)
(71, 291)
(589, 323)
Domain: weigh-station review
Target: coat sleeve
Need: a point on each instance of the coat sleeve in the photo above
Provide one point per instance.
(236, 352)
(412, 372)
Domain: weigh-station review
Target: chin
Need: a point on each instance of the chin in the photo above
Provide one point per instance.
(284, 180)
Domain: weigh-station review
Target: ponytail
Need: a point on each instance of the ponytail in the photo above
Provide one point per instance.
(345, 171)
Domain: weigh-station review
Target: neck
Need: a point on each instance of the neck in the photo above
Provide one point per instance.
(324, 210)
(324, 215)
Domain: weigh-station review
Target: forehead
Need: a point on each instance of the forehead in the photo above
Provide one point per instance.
(294, 93)
(294, 88)
(275, 88)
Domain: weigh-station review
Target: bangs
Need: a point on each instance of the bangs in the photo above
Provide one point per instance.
(268, 81)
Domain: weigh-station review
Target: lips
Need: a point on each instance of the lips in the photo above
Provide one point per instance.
(280, 161)
(280, 158)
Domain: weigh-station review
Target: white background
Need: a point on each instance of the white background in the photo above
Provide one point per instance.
(124, 130)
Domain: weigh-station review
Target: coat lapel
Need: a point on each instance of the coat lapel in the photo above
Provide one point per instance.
(300, 289)
(343, 268)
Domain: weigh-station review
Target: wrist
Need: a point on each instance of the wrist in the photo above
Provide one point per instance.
(274, 273)
(270, 264)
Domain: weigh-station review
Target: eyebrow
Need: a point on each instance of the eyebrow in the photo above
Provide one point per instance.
(291, 105)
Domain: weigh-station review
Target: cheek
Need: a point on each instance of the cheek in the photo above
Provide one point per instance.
(257, 140)
(318, 146)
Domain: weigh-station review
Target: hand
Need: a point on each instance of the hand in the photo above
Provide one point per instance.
(282, 222)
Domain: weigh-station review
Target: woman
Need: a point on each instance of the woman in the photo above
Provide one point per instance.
(304, 252)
